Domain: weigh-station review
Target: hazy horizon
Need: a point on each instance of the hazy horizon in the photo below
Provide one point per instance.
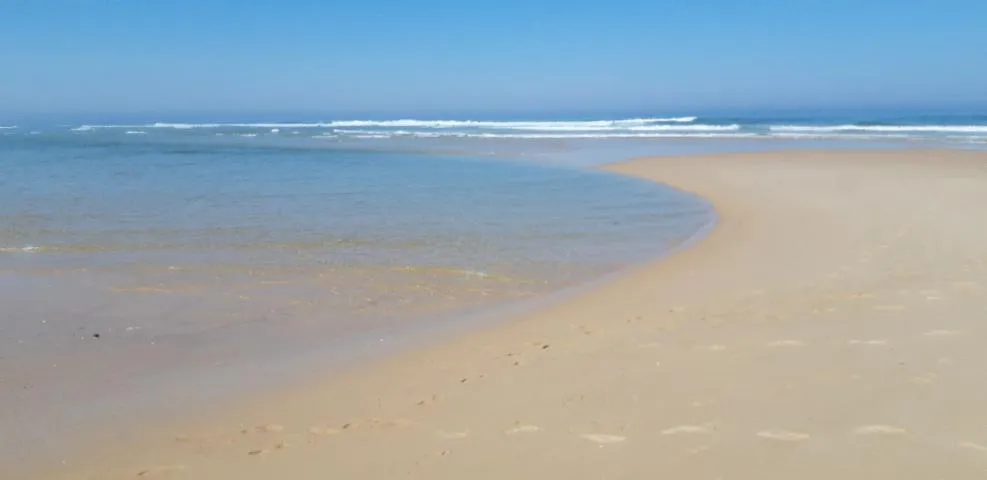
(848, 114)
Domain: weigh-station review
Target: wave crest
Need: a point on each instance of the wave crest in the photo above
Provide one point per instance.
(881, 128)
(413, 123)
(377, 134)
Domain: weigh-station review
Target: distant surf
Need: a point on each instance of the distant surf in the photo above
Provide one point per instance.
(969, 129)
(882, 128)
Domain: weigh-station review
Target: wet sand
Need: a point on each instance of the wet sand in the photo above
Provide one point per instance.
(829, 327)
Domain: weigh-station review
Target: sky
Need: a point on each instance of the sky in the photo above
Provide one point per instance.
(443, 58)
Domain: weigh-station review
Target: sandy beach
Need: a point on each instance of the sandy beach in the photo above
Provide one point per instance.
(829, 327)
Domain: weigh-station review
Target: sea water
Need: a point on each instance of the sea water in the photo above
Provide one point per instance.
(135, 268)
(139, 259)
(956, 128)
(374, 230)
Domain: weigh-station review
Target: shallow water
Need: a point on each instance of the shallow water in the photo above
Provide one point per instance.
(130, 262)
(146, 218)
(147, 273)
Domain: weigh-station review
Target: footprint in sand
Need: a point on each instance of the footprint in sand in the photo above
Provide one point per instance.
(453, 435)
(523, 429)
(161, 470)
(688, 429)
(879, 430)
(877, 342)
(973, 446)
(603, 438)
(264, 451)
(323, 431)
(395, 423)
(783, 435)
(941, 333)
(182, 438)
(787, 343)
(889, 308)
(859, 296)
(371, 422)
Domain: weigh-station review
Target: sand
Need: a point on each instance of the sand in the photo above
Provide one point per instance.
(831, 326)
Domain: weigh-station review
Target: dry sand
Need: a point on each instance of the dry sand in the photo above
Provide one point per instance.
(832, 326)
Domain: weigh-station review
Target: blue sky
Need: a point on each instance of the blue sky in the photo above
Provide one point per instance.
(505, 56)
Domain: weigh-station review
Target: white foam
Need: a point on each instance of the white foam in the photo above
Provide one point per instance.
(190, 126)
(614, 135)
(563, 128)
(677, 119)
(136, 132)
(534, 136)
(24, 249)
(881, 128)
(8, 127)
(637, 128)
(413, 123)
(399, 133)
(685, 128)
(595, 128)
(837, 136)
(176, 126)
(510, 125)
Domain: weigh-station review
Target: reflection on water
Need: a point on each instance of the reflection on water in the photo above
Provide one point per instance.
(126, 261)
(90, 225)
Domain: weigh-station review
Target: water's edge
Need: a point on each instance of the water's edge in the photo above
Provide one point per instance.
(178, 396)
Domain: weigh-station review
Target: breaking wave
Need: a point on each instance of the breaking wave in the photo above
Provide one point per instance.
(643, 127)
(410, 123)
(545, 135)
(882, 128)
(24, 249)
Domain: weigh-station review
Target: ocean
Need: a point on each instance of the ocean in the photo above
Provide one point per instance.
(138, 255)
(957, 128)
(135, 266)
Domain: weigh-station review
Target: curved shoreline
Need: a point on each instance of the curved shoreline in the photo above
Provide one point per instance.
(604, 383)
(108, 402)
(402, 340)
